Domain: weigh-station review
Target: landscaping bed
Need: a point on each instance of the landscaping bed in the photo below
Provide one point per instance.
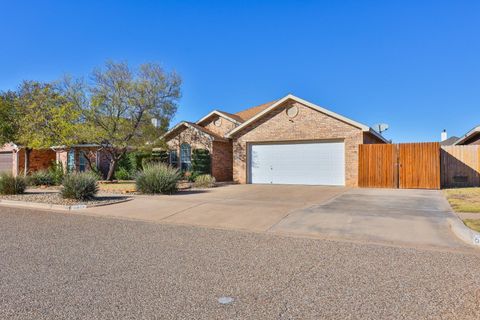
(54, 198)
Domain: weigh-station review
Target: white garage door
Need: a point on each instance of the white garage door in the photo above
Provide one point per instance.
(320, 163)
(6, 162)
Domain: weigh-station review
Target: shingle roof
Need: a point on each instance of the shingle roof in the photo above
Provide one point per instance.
(253, 111)
(450, 141)
(205, 130)
(196, 127)
(231, 115)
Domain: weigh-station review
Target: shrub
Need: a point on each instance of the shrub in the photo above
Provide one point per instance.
(136, 158)
(51, 177)
(79, 186)
(56, 173)
(12, 185)
(158, 178)
(201, 161)
(123, 174)
(160, 156)
(41, 178)
(205, 181)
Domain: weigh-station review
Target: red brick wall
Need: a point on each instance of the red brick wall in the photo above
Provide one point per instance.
(39, 159)
(195, 139)
(222, 161)
(92, 153)
(226, 125)
(308, 125)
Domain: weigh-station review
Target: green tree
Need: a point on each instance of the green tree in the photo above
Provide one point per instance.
(119, 104)
(8, 117)
(43, 117)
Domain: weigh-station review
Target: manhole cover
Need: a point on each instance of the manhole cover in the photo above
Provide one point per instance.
(225, 300)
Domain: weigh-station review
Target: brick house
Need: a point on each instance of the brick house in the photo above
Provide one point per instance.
(72, 158)
(13, 160)
(81, 156)
(286, 141)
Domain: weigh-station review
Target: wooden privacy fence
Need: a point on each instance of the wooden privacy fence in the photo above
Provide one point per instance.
(460, 166)
(405, 165)
(378, 166)
(418, 166)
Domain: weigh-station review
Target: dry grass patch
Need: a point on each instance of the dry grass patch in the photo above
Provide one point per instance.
(473, 224)
(118, 187)
(464, 200)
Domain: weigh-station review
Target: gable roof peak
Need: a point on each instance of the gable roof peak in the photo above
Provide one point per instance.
(290, 96)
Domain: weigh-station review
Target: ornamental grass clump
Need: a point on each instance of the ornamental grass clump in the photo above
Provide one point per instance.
(204, 181)
(41, 178)
(158, 178)
(9, 184)
(79, 186)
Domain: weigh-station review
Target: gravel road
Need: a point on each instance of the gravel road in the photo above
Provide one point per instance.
(66, 266)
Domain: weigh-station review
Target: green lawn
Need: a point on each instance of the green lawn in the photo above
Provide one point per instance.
(464, 200)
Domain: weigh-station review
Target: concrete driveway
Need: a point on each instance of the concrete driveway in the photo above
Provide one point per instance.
(408, 217)
(401, 217)
(244, 207)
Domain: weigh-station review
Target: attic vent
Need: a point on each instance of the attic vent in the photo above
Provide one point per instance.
(218, 122)
(292, 111)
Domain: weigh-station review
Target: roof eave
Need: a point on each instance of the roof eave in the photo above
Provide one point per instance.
(185, 123)
(304, 102)
(378, 135)
(467, 135)
(220, 114)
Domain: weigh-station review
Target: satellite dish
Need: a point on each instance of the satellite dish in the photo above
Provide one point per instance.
(381, 127)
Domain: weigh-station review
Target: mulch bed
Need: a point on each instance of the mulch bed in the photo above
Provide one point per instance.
(55, 198)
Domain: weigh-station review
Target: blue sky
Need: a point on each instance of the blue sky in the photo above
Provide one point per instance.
(412, 64)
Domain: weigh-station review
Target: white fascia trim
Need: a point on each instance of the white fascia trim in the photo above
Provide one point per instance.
(220, 114)
(467, 135)
(186, 124)
(304, 102)
(178, 125)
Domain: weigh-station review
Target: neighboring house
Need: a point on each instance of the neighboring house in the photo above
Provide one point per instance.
(13, 160)
(81, 156)
(72, 158)
(286, 141)
(472, 137)
(445, 141)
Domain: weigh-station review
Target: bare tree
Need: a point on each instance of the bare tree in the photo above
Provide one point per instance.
(119, 104)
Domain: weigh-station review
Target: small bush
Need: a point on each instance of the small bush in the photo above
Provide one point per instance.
(201, 161)
(123, 174)
(41, 178)
(205, 181)
(79, 186)
(12, 185)
(158, 178)
(57, 173)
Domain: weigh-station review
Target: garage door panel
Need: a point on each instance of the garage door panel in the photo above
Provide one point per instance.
(298, 163)
(6, 162)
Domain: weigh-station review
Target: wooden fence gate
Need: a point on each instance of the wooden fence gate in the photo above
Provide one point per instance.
(405, 166)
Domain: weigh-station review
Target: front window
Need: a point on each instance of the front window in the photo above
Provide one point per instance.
(71, 160)
(185, 156)
(173, 158)
(82, 162)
